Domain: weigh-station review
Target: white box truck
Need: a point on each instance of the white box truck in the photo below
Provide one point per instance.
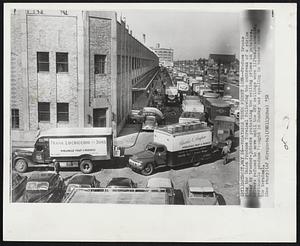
(175, 145)
(70, 147)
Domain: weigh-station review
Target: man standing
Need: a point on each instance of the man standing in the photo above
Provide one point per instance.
(225, 153)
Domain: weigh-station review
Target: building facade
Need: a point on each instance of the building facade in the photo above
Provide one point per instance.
(165, 55)
(72, 69)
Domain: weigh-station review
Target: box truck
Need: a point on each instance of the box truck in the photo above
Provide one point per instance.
(175, 145)
(119, 196)
(70, 147)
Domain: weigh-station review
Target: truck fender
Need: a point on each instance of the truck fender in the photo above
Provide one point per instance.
(86, 157)
(29, 162)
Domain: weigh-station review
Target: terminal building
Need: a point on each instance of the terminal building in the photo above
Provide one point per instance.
(73, 69)
(165, 55)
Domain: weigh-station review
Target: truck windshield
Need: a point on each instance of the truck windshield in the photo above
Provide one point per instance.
(150, 148)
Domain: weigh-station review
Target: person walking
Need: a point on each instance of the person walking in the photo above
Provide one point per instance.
(225, 153)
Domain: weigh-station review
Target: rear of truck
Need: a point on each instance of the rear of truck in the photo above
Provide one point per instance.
(118, 196)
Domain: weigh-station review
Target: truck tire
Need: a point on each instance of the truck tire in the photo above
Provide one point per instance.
(86, 166)
(21, 165)
(148, 169)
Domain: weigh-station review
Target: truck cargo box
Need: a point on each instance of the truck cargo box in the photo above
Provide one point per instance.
(118, 196)
(179, 137)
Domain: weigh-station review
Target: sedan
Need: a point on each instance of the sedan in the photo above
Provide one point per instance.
(199, 192)
(121, 183)
(44, 187)
(164, 183)
(82, 181)
(18, 186)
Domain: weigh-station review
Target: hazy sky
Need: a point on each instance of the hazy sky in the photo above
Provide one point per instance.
(191, 34)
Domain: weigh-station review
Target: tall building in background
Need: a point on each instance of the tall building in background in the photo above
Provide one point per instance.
(165, 55)
(72, 69)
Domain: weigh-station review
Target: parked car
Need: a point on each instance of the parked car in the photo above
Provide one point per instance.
(136, 116)
(18, 186)
(44, 187)
(164, 183)
(199, 192)
(82, 181)
(121, 183)
(150, 123)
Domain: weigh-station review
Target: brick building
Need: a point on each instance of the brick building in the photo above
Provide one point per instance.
(72, 69)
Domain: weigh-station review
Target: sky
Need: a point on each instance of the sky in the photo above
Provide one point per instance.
(192, 34)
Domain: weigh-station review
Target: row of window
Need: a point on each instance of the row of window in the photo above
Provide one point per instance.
(62, 62)
(43, 113)
(43, 62)
(131, 62)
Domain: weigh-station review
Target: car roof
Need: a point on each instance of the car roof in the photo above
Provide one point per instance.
(119, 181)
(42, 176)
(159, 182)
(225, 118)
(200, 185)
(218, 102)
(81, 179)
(88, 131)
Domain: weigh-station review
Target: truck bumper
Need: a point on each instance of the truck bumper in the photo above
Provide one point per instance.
(135, 165)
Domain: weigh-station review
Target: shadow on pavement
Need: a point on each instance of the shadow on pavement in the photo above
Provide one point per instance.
(220, 199)
(178, 198)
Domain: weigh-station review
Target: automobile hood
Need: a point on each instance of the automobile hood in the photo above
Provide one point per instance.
(37, 196)
(202, 201)
(142, 155)
(23, 152)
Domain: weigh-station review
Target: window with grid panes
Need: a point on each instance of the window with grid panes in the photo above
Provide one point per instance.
(15, 118)
(62, 112)
(42, 61)
(43, 111)
(99, 64)
(61, 62)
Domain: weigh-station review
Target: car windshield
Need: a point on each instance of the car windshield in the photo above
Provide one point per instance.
(150, 148)
(73, 186)
(201, 194)
(37, 186)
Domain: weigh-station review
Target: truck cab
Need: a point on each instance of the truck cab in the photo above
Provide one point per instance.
(146, 161)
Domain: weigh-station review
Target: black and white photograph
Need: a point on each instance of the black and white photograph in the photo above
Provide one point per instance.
(103, 115)
(168, 107)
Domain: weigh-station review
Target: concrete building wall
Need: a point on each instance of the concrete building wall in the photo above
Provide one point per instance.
(49, 34)
(133, 61)
(81, 34)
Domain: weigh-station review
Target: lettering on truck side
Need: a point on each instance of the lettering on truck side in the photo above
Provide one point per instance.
(77, 146)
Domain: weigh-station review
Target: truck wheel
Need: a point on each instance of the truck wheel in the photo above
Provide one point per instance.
(148, 169)
(86, 166)
(21, 165)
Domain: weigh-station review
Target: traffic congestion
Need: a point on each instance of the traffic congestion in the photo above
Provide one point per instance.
(181, 148)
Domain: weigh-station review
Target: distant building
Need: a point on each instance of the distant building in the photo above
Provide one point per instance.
(72, 69)
(165, 55)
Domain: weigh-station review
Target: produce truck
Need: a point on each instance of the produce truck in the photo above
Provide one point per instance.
(118, 196)
(175, 145)
(172, 95)
(216, 107)
(70, 147)
(192, 104)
